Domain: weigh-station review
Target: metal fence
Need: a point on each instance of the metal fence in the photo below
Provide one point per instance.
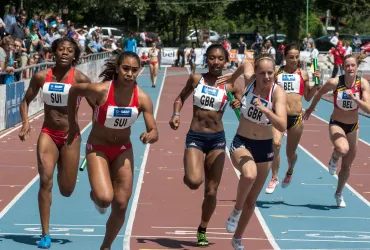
(18, 74)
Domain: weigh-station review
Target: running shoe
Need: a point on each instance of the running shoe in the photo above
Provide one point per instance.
(202, 239)
(287, 180)
(272, 185)
(333, 165)
(45, 242)
(232, 222)
(237, 244)
(340, 200)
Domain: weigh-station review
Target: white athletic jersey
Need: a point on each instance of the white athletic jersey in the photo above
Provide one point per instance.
(120, 118)
(291, 83)
(208, 97)
(249, 110)
(154, 52)
(56, 94)
(342, 100)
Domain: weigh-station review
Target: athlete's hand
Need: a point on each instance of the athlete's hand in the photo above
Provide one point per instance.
(224, 79)
(175, 122)
(150, 137)
(350, 94)
(307, 113)
(71, 134)
(235, 104)
(24, 134)
(257, 102)
(316, 73)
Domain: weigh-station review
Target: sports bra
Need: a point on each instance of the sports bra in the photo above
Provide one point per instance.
(250, 111)
(342, 100)
(290, 83)
(56, 93)
(112, 116)
(155, 52)
(208, 97)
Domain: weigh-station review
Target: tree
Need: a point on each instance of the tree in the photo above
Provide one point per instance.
(287, 11)
(340, 8)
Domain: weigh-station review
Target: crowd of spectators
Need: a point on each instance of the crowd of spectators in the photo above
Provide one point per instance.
(26, 40)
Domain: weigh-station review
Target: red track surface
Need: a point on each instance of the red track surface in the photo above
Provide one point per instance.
(18, 164)
(166, 202)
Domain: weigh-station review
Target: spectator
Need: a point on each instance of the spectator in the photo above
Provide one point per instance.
(357, 43)
(33, 20)
(49, 37)
(348, 48)
(307, 41)
(2, 29)
(144, 59)
(17, 29)
(7, 59)
(42, 24)
(10, 19)
(242, 49)
(270, 49)
(315, 52)
(130, 43)
(338, 54)
(334, 40)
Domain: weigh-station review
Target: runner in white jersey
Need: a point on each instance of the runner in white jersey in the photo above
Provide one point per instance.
(295, 82)
(263, 106)
(109, 154)
(351, 93)
(205, 142)
(55, 84)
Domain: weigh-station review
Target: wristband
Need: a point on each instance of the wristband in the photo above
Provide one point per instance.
(175, 115)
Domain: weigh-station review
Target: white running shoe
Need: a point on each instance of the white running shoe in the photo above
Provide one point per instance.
(237, 244)
(340, 200)
(272, 185)
(232, 222)
(333, 165)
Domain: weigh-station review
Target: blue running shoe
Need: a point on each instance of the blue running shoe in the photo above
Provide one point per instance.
(45, 241)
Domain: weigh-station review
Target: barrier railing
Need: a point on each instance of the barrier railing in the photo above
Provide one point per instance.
(12, 94)
(19, 73)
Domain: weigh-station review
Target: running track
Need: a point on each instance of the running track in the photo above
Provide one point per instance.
(164, 214)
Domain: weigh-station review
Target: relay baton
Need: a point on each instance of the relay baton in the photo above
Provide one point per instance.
(315, 66)
(83, 165)
(231, 97)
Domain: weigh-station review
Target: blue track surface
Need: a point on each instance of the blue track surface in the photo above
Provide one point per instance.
(75, 224)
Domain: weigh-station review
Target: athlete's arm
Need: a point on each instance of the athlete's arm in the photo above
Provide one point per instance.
(278, 118)
(82, 78)
(95, 91)
(364, 102)
(330, 85)
(146, 106)
(185, 93)
(309, 91)
(32, 91)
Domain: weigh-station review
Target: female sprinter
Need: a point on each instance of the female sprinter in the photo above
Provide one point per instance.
(263, 106)
(153, 63)
(55, 84)
(206, 136)
(351, 92)
(295, 82)
(192, 58)
(118, 103)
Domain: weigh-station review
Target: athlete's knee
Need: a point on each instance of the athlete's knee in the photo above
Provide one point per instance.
(103, 200)
(46, 182)
(276, 144)
(342, 149)
(211, 192)
(66, 191)
(193, 183)
(248, 175)
(121, 203)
